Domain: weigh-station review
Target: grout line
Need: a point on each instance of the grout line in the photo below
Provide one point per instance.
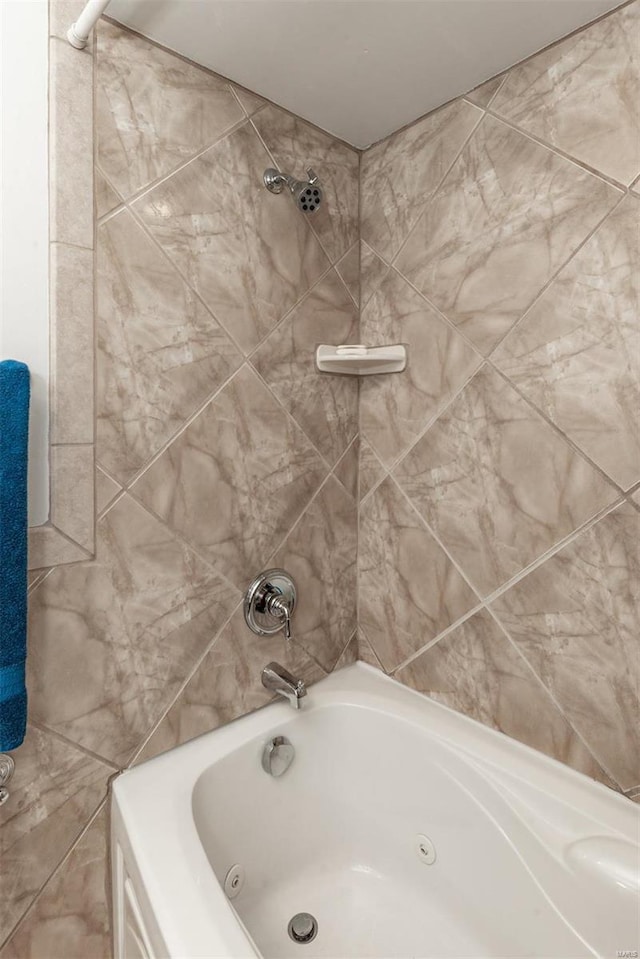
(557, 430)
(553, 148)
(158, 181)
(555, 276)
(227, 80)
(373, 650)
(92, 818)
(549, 693)
(516, 579)
(71, 742)
(467, 140)
(155, 726)
(151, 236)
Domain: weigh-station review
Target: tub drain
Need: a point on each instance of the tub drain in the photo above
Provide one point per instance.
(303, 927)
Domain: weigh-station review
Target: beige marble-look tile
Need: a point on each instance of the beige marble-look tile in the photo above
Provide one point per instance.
(54, 791)
(72, 343)
(106, 490)
(249, 101)
(320, 554)
(49, 547)
(633, 794)
(325, 405)
(236, 480)
(409, 590)
(582, 95)
(400, 174)
(394, 409)
(497, 483)
(575, 619)
(70, 144)
(154, 110)
(372, 272)
(506, 218)
(72, 492)
(346, 470)
(250, 254)
(106, 197)
(371, 470)
(113, 639)
(34, 576)
(476, 671)
(576, 354)
(349, 654)
(484, 94)
(160, 352)
(366, 652)
(296, 146)
(349, 269)
(70, 918)
(227, 684)
(636, 187)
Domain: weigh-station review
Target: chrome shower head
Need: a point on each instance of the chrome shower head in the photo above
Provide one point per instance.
(306, 193)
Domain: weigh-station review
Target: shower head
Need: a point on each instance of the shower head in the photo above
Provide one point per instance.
(306, 193)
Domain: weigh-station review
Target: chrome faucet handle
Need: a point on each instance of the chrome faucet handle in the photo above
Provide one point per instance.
(269, 603)
(279, 607)
(312, 176)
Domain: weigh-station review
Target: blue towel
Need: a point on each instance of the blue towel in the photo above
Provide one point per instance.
(14, 434)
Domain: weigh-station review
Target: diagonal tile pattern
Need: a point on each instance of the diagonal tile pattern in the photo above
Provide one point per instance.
(114, 640)
(55, 790)
(506, 218)
(118, 635)
(401, 173)
(476, 671)
(497, 484)
(227, 685)
(248, 253)
(326, 407)
(576, 621)
(582, 95)
(320, 554)
(154, 110)
(296, 146)
(409, 589)
(70, 918)
(160, 353)
(236, 480)
(576, 354)
(394, 410)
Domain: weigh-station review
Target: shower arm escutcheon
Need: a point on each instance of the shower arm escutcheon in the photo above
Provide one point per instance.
(269, 603)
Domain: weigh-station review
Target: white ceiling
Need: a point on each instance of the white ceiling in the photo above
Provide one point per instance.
(359, 69)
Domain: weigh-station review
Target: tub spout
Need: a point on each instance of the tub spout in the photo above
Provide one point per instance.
(278, 680)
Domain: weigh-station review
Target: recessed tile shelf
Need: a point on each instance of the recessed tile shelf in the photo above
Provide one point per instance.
(359, 360)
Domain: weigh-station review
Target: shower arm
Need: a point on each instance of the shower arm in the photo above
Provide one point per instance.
(274, 180)
(78, 32)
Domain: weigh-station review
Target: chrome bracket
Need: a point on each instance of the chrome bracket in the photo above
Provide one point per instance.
(7, 767)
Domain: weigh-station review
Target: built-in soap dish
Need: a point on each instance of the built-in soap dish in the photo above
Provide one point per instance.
(359, 360)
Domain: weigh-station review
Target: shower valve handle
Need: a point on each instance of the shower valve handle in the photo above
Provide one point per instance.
(312, 176)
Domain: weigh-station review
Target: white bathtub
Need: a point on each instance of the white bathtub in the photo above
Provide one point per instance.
(532, 859)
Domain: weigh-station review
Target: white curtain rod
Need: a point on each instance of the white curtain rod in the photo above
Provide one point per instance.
(78, 32)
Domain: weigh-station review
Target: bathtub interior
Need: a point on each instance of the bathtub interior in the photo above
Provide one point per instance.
(338, 836)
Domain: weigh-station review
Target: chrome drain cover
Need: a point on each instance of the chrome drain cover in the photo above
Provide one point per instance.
(303, 927)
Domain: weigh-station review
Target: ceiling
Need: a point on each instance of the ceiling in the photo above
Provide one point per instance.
(359, 69)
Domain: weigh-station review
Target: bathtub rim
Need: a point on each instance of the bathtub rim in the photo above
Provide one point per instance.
(207, 920)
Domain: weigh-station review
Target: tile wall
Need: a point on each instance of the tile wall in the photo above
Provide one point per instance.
(499, 474)
(498, 478)
(219, 453)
